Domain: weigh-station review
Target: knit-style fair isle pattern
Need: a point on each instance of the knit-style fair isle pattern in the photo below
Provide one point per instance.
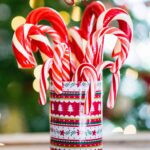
(70, 128)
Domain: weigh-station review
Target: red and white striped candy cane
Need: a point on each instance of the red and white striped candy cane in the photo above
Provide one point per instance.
(88, 26)
(91, 50)
(125, 45)
(57, 40)
(57, 68)
(22, 45)
(114, 83)
(51, 32)
(114, 67)
(43, 79)
(71, 2)
(53, 17)
(124, 20)
(66, 64)
(77, 51)
(89, 19)
(57, 23)
(57, 73)
(87, 72)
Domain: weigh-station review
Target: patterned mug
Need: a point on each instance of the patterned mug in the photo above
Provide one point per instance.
(70, 127)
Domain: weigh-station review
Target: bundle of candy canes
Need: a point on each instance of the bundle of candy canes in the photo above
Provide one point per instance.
(75, 54)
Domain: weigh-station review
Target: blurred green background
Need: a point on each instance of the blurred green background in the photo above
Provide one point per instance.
(19, 108)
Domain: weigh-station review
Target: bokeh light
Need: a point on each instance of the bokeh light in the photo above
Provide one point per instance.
(130, 86)
(76, 13)
(5, 12)
(36, 3)
(132, 73)
(65, 15)
(17, 21)
(2, 144)
(36, 85)
(130, 129)
(37, 72)
(109, 43)
(117, 130)
(119, 2)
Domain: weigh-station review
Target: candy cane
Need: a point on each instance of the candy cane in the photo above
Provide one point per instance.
(87, 27)
(51, 32)
(57, 23)
(124, 20)
(114, 67)
(66, 74)
(43, 78)
(57, 40)
(91, 77)
(22, 45)
(125, 24)
(57, 69)
(89, 19)
(56, 72)
(71, 2)
(89, 55)
(123, 54)
(88, 23)
(114, 83)
(45, 13)
(77, 51)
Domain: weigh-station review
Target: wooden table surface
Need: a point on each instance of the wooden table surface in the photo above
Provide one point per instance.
(139, 141)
